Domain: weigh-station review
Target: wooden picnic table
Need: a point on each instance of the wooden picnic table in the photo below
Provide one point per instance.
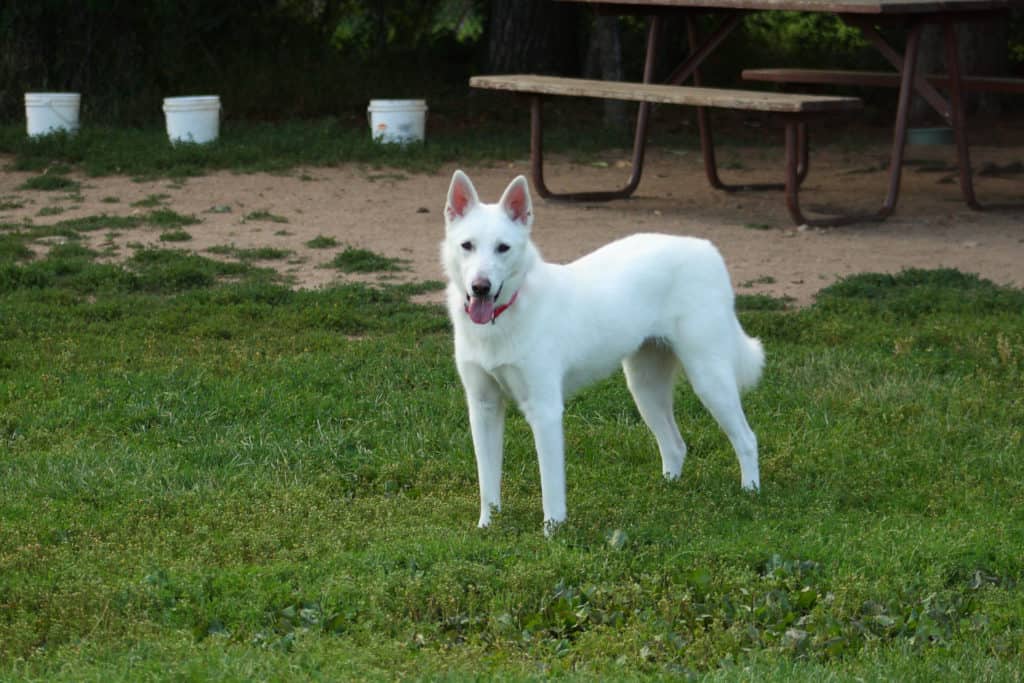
(866, 15)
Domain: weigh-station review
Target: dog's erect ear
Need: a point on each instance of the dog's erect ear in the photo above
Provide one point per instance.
(462, 197)
(516, 202)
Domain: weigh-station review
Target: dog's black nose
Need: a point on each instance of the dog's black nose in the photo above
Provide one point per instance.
(481, 287)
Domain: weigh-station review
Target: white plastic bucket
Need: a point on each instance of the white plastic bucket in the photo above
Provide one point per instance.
(397, 120)
(193, 119)
(49, 112)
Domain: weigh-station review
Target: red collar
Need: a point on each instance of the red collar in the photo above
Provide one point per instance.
(499, 309)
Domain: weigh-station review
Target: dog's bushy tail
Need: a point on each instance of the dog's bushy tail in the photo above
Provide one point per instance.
(749, 360)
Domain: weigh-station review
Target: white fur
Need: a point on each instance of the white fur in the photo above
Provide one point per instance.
(652, 303)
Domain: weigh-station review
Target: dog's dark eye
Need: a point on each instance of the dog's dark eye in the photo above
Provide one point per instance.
(502, 248)
(467, 246)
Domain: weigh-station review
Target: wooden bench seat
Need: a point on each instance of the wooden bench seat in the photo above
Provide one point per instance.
(793, 110)
(878, 79)
(745, 100)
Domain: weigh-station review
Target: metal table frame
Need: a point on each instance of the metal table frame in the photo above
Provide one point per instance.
(862, 14)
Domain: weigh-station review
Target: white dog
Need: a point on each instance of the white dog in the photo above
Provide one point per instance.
(536, 332)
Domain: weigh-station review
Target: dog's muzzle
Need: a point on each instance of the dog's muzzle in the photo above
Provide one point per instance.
(480, 306)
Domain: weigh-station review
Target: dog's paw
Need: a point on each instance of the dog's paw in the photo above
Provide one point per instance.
(485, 515)
(551, 526)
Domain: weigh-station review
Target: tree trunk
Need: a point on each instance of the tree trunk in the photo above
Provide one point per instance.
(984, 52)
(604, 61)
(533, 36)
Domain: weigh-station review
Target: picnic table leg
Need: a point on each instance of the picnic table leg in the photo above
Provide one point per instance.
(952, 111)
(908, 75)
(899, 143)
(957, 117)
(537, 157)
(707, 143)
(643, 115)
(796, 149)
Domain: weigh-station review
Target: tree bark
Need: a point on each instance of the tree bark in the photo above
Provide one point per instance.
(604, 61)
(533, 36)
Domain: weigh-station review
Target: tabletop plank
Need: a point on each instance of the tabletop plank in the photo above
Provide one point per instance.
(882, 7)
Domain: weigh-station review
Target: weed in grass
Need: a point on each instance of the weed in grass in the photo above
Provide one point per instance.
(152, 201)
(254, 254)
(175, 236)
(166, 271)
(763, 280)
(11, 204)
(263, 254)
(50, 183)
(50, 211)
(166, 218)
(100, 222)
(111, 200)
(353, 260)
(322, 242)
(265, 216)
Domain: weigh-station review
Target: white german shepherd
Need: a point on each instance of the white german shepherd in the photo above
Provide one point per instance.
(535, 332)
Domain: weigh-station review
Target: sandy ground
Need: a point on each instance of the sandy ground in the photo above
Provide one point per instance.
(399, 214)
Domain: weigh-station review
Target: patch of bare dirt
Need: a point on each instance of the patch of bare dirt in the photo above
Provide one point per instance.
(398, 214)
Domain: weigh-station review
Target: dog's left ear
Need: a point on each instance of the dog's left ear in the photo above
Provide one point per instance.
(516, 202)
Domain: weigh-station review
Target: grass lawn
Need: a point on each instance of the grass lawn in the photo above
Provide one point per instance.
(207, 476)
(275, 147)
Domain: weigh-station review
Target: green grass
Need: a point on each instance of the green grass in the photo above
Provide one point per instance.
(354, 260)
(265, 216)
(253, 254)
(322, 242)
(168, 219)
(282, 147)
(152, 201)
(50, 183)
(175, 235)
(208, 476)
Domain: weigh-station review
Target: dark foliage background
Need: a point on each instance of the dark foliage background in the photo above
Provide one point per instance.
(279, 59)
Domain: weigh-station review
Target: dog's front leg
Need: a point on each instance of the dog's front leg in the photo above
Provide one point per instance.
(546, 422)
(487, 422)
(487, 425)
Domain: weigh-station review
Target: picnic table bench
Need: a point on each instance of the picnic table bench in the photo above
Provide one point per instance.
(791, 109)
(865, 15)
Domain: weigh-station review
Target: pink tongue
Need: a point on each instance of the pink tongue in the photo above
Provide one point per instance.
(481, 310)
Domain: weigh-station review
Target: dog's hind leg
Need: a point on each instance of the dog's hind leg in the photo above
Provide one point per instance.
(714, 382)
(650, 375)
